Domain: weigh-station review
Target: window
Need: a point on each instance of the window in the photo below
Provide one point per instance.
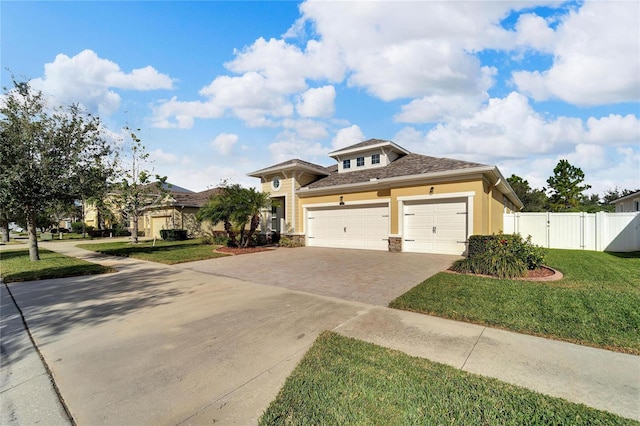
(375, 159)
(346, 164)
(275, 183)
(637, 206)
(360, 161)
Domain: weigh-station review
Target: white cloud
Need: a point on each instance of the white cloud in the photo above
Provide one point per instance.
(306, 129)
(289, 145)
(533, 31)
(596, 58)
(317, 102)
(89, 80)
(347, 136)
(224, 142)
(158, 156)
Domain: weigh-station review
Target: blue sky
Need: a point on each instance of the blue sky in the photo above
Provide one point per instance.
(220, 89)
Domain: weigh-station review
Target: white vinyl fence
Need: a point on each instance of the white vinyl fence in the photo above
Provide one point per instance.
(582, 231)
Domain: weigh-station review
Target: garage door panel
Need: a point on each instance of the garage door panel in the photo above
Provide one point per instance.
(365, 227)
(435, 227)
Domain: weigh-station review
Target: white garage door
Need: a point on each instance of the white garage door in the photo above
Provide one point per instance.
(435, 227)
(349, 227)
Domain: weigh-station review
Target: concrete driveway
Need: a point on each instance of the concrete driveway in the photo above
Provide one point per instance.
(367, 276)
(155, 344)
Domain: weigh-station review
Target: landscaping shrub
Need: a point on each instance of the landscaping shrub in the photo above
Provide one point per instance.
(504, 256)
(173, 234)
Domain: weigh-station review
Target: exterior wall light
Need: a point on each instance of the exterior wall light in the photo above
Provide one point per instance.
(431, 190)
(341, 202)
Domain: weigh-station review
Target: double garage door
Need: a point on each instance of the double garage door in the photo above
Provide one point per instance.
(356, 227)
(435, 227)
(427, 227)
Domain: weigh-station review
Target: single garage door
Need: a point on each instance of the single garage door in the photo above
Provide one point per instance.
(357, 227)
(435, 227)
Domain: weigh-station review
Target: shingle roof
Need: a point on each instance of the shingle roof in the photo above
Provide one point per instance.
(289, 163)
(411, 164)
(194, 199)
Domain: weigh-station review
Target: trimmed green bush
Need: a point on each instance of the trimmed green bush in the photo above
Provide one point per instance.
(501, 255)
(173, 234)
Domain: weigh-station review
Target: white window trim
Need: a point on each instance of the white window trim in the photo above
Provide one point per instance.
(279, 183)
(469, 195)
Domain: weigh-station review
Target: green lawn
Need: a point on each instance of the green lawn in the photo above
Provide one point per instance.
(16, 266)
(597, 303)
(346, 381)
(167, 252)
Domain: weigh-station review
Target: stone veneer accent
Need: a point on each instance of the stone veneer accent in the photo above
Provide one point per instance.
(395, 244)
(296, 238)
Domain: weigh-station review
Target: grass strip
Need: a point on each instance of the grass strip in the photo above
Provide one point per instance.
(346, 381)
(597, 303)
(16, 266)
(167, 252)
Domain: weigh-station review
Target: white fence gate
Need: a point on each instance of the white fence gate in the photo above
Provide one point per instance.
(582, 231)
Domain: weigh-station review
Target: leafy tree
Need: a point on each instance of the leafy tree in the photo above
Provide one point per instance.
(534, 200)
(565, 186)
(136, 190)
(46, 153)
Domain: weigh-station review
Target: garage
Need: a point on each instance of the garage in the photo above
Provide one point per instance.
(435, 227)
(355, 227)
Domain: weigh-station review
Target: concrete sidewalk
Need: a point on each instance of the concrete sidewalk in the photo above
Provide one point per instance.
(27, 395)
(162, 344)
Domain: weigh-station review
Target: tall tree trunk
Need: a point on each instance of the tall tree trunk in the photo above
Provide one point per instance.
(230, 234)
(255, 221)
(4, 230)
(34, 254)
(134, 229)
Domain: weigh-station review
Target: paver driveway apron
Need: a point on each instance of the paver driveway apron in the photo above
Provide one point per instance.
(367, 276)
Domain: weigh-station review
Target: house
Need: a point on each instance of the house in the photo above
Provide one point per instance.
(177, 210)
(380, 196)
(628, 203)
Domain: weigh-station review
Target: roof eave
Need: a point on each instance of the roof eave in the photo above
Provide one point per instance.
(396, 179)
(288, 167)
(344, 151)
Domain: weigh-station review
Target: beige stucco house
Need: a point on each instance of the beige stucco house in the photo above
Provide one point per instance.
(380, 196)
(628, 203)
(177, 210)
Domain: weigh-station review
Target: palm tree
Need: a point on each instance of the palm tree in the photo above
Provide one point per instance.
(238, 206)
(220, 208)
(254, 203)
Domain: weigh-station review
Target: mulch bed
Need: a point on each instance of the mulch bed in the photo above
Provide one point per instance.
(242, 250)
(544, 273)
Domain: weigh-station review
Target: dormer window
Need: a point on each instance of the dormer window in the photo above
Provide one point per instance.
(375, 159)
(360, 162)
(346, 164)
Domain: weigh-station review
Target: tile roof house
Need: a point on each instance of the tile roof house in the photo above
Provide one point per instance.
(380, 196)
(177, 211)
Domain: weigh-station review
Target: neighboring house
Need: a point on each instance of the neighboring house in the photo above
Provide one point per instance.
(628, 203)
(177, 211)
(380, 196)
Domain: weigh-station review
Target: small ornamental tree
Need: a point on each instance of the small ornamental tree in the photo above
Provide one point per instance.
(136, 190)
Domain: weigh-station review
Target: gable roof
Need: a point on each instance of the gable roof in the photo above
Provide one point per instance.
(411, 164)
(368, 144)
(293, 164)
